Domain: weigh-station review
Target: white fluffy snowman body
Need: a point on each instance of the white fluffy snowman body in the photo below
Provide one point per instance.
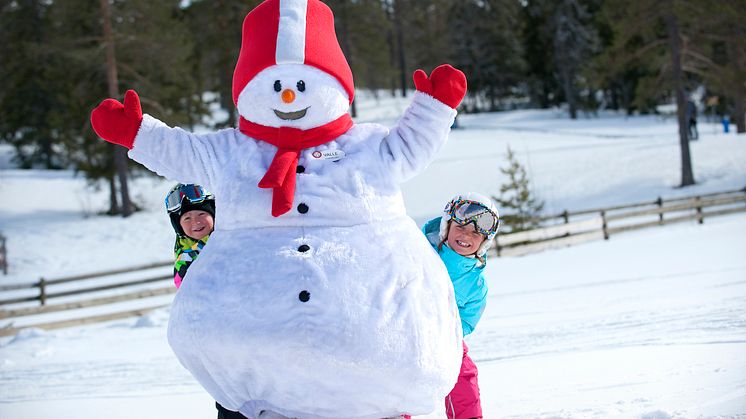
(339, 308)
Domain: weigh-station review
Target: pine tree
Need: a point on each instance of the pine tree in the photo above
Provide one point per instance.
(394, 10)
(716, 51)
(539, 79)
(566, 38)
(54, 72)
(652, 32)
(362, 28)
(574, 41)
(215, 28)
(419, 37)
(25, 99)
(522, 208)
(152, 51)
(619, 86)
(485, 45)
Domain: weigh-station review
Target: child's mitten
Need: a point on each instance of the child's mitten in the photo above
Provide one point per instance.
(447, 84)
(116, 122)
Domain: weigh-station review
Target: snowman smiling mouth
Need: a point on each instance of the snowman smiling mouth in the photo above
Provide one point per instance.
(291, 116)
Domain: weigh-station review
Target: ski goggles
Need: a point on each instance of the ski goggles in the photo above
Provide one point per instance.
(464, 211)
(192, 193)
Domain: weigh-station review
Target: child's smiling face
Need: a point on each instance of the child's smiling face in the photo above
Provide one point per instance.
(464, 240)
(196, 224)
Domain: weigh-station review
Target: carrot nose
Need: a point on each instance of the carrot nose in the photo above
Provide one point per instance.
(288, 96)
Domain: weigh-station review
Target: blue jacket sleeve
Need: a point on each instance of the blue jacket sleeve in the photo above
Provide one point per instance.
(471, 313)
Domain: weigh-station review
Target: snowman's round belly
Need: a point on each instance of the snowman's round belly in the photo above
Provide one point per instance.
(333, 322)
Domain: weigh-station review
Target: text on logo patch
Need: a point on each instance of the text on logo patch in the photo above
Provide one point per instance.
(333, 155)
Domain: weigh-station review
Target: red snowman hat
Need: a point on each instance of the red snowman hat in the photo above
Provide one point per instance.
(290, 32)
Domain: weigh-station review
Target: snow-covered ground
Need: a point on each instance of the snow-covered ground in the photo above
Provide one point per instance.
(650, 324)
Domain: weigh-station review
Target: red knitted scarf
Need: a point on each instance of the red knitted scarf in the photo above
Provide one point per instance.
(280, 175)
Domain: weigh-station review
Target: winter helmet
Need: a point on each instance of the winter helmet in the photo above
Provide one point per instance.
(472, 208)
(183, 198)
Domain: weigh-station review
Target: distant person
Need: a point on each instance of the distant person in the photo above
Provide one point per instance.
(691, 120)
(191, 209)
(726, 124)
(462, 236)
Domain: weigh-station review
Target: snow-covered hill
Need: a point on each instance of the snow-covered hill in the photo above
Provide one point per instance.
(648, 324)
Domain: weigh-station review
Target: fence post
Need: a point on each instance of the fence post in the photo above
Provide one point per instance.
(42, 291)
(497, 245)
(660, 206)
(604, 226)
(700, 215)
(566, 216)
(3, 255)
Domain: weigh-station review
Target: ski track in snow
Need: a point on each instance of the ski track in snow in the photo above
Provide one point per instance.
(96, 378)
(626, 322)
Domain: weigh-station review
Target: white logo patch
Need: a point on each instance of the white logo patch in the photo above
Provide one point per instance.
(332, 155)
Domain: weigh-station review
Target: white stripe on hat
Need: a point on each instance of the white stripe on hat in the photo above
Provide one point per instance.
(291, 33)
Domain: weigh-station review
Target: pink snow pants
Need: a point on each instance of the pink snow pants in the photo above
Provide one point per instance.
(463, 402)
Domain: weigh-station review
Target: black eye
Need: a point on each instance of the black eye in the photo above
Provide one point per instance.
(301, 86)
(278, 86)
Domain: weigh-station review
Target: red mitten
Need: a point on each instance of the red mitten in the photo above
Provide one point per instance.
(447, 84)
(116, 122)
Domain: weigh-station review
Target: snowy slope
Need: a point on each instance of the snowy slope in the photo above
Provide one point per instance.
(649, 324)
(647, 321)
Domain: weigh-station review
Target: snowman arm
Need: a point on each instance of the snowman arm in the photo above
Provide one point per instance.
(411, 145)
(177, 154)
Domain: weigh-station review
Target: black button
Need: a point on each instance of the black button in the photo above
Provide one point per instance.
(304, 248)
(304, 296)
(300, 169)
(302, 208)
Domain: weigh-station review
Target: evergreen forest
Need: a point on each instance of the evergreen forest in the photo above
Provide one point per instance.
(60, 58)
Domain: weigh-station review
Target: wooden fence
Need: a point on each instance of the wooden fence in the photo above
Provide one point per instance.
(44, 284)
(46, 291)
(569, 228)
(3, 255)
(564, 229)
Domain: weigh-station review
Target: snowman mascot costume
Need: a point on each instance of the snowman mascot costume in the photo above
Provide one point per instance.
(317, 297)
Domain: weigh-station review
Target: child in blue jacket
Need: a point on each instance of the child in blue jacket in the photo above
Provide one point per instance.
(462, 237)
